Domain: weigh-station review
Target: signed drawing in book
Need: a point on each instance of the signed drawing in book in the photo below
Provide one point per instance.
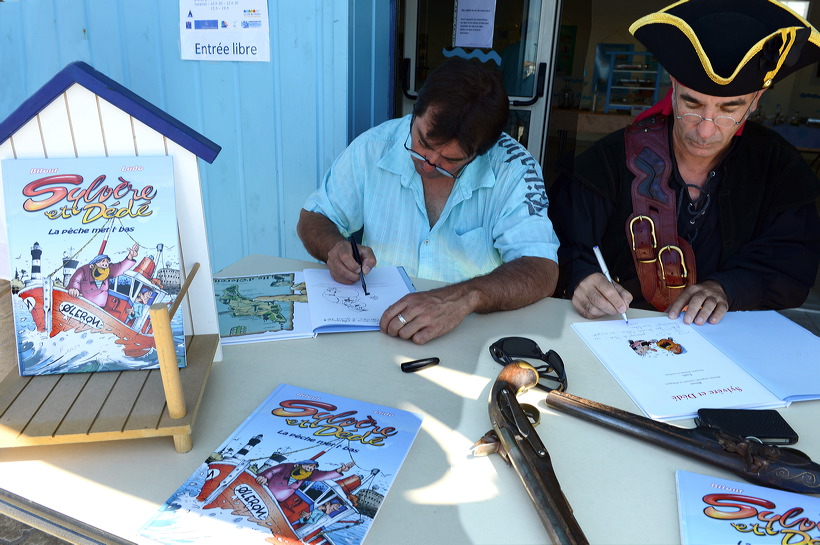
(93, 244)
(305, 467)
(655, 347)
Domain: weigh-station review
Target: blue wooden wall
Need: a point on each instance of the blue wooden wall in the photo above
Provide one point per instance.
(280, 124)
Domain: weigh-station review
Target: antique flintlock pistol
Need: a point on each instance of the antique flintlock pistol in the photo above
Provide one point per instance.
(768, 465)
(515, 439)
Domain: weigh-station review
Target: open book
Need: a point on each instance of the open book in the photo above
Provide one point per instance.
(715, 511)
(301, 304)
(755, 359)
(304, 466)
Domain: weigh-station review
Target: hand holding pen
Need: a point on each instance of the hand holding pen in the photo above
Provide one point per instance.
(358, 259)
(605, 270)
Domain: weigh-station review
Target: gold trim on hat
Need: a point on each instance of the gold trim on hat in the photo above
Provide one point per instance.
(788, 36)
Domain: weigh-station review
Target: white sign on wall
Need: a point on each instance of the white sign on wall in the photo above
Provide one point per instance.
(224, 30)
(474, 24)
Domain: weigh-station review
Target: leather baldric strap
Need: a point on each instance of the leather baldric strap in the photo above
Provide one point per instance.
(665, 262)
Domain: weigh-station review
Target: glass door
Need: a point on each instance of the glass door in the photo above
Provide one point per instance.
(516, 37)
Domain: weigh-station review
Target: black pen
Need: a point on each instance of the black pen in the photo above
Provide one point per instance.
(358, 259)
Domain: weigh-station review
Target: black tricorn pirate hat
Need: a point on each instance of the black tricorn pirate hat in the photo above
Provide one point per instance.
(728, 47)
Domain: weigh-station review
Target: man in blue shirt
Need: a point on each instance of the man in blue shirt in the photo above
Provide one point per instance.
(445, 194)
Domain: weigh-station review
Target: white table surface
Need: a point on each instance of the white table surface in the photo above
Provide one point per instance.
(622, 490)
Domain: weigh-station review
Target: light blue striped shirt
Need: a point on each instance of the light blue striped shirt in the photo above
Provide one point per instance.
(496, 212)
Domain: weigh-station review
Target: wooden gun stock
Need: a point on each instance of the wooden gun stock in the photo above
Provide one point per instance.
(515, 438)
(767, 465)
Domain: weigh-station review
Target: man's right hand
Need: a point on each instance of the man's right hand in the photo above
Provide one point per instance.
(595, 297)
(342, 265)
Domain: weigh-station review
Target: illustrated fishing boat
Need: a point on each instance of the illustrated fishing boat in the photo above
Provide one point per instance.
(54, 310)
(231, 484)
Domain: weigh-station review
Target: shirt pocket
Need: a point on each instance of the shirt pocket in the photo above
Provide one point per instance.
(473, 253)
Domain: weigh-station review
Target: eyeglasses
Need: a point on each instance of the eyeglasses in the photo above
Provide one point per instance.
(722, 121)
(509, 349)
(420, 157)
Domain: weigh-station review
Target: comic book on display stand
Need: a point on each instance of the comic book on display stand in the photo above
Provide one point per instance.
(715, 511)
(92, 245)
(299, 304)
(304, 467)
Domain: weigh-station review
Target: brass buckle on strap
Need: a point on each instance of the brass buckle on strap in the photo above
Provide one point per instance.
(684, 273)
(632, 233)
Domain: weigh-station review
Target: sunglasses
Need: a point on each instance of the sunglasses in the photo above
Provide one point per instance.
(509, 349)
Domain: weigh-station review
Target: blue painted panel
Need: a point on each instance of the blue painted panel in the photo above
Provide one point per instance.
(227, 231)
(371, 67)
(41, 53)
(258, 162)
(105, 36)
(142, 46)
(12, 49)
(71, 33)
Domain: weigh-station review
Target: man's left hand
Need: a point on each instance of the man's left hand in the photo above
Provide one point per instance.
(700, 303)
(426, 315)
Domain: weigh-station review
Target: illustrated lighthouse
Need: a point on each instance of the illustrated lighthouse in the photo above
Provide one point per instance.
(69, 267)
(36, 254)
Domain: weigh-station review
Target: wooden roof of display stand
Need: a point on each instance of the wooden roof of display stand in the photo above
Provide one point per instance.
(81, 112)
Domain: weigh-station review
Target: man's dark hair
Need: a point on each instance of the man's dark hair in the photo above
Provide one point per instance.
(467, 103)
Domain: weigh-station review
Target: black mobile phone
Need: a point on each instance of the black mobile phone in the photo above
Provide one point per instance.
(765, 425)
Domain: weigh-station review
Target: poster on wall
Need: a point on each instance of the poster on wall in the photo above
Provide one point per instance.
(224, 30)
(475, 21)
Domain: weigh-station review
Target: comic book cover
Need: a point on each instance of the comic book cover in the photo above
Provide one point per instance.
(304, 467)
(92, 245)
(715, 511)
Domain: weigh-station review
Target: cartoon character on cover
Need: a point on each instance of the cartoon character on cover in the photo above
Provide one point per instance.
(91, 280)
(140, 304)
(327, 508)
(283, 479)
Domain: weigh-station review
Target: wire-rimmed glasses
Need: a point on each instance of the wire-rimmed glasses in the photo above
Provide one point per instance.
(509, 349)
(722, 121)
(420, 157)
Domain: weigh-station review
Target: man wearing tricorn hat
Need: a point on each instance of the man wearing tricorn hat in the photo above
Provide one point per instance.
(696, 210)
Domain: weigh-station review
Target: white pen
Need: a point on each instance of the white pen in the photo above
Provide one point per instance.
(605, 270)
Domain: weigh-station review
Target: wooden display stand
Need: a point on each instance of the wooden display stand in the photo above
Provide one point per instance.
(84, 407)
(81, 112)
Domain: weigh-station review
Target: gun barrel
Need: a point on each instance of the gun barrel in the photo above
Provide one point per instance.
(686, 441)
(767, 465)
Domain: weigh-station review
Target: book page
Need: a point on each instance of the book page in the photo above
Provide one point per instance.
(346, 307)
(773, 349)
(669, 369)
(262, 307)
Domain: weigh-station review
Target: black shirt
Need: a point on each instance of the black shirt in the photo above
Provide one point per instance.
(759, 237)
